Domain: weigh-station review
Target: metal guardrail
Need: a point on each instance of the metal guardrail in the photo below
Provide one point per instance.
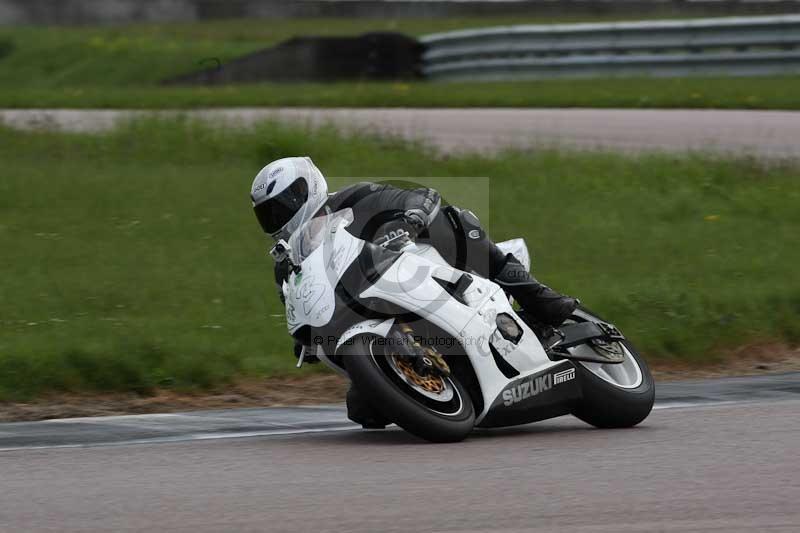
(736, 46)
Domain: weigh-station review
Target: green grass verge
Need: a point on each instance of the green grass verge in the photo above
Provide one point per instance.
(120, 67)
(131, 259)
(692, 93)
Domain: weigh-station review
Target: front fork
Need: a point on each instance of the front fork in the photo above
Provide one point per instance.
(425, 360)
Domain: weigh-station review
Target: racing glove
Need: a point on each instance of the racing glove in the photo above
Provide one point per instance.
(397, 234)
(417, 220)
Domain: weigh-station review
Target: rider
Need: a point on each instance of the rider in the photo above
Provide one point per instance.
(290, 191)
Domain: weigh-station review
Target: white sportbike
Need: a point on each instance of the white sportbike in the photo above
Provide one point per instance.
(439, 351)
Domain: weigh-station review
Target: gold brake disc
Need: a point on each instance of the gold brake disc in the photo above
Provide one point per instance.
(432, 384)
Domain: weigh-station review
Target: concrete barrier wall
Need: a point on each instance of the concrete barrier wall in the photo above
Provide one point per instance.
(16, 12)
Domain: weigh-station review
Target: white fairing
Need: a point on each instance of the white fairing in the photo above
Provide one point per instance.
(411, 284)
(309, 294)
(376, 327)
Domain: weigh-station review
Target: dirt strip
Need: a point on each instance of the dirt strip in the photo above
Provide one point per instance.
(320, 388)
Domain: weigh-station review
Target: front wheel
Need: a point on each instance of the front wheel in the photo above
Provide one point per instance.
(614, 395)
(437, 409)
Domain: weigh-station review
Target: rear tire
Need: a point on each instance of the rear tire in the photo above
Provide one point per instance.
(366, 365)
(606, 405)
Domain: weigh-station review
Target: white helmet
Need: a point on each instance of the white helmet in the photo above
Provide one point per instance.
(287, 193)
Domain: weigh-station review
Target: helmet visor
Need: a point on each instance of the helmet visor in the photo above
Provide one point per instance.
(275, 212)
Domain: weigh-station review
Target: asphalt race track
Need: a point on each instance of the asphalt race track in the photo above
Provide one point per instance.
(756, 133)
(719, 455)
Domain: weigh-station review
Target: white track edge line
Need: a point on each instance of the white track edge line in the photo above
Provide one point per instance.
(288, 432)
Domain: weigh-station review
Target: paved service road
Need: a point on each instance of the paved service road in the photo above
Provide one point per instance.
(725, 467)
(760, 133)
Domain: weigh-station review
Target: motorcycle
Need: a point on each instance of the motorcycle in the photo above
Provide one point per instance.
(440, 351)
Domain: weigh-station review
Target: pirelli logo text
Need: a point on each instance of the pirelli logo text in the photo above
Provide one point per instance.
(535, 385)
(564, 375)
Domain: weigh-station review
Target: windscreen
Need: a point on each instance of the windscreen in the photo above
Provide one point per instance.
(310, 235)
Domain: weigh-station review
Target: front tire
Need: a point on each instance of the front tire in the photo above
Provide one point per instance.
(614, 403)
(436, 421)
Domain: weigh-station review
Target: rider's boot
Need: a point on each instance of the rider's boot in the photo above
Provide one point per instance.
(360, 412)
(538, 300)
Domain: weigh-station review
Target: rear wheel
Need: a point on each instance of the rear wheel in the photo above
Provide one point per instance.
(615, 395)
(434, 408)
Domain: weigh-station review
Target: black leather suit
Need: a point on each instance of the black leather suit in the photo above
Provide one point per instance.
(455, 233)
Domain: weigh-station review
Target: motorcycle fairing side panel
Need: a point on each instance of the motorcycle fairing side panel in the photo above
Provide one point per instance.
(410, 284)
